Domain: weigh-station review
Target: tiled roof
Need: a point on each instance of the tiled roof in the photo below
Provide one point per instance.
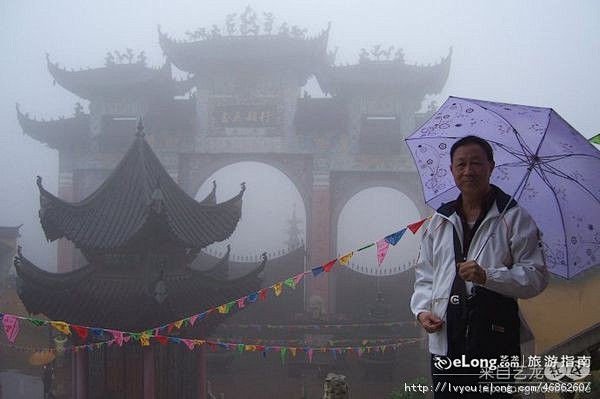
(385, 77)
(272, 51)
(57, 133)
(127, 300)
(138, 203)
(118, 80)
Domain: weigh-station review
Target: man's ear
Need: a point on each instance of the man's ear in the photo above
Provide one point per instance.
(493, 165)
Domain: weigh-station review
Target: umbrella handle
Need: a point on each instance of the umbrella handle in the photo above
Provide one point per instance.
(493, 229)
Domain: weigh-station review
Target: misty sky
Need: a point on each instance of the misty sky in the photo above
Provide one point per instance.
(543, 53)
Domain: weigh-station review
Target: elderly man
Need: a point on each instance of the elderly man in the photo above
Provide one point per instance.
(478, 254)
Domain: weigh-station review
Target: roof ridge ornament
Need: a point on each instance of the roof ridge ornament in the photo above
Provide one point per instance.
(248, 23)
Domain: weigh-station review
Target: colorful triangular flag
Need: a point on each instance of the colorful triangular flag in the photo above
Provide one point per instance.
(11, 327)
(278, 287)
(290, 283)
(61, 326)
(382, 249)
(344, 260)
(395, 237)
(414, 227)
(81, 331)
(327, 266)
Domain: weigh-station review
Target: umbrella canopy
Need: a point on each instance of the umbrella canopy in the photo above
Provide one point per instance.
(41, 358)
(551, 169)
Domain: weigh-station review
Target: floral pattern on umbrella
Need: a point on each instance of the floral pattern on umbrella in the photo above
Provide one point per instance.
(551, 169)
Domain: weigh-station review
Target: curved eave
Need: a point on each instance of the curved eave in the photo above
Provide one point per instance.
(121, 212)
(271, 51)
(217, 275)
(56, 133)
(385, 76)
(122, 301)
(186, 217)
(211, 198)
(33, 276)
(116, 80)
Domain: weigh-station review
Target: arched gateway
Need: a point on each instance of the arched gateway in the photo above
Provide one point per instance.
(242, 101)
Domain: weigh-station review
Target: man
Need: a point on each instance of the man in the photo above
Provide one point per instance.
(478, 254)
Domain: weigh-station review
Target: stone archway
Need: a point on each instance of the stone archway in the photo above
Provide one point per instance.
(269, 202)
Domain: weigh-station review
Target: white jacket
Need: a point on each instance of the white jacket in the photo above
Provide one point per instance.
(515, 242)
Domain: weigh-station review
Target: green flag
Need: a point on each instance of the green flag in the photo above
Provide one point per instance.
(595, 139)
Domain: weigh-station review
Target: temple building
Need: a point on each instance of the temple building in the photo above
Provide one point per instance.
(140, 234)
(131, 238)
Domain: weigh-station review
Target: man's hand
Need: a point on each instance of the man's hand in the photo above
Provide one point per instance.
(430, 322)
(471, 271)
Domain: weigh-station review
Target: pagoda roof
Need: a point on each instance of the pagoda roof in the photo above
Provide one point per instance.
(119, 80)
(56, 133)
(138, 203)
(128, 301)
(272, 51)
(394, 77)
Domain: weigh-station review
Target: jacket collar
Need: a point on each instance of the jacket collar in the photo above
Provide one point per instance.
(502, 200)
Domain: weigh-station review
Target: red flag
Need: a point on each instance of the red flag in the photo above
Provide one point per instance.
(162, 339)
(327, 266)
(262, 294)
(81, 331)
(416, 226)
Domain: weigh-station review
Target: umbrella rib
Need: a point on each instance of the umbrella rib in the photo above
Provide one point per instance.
(521, 156)
(514, 164)
(544, 178)
(552, 158)
(558, 173)
(517, 135)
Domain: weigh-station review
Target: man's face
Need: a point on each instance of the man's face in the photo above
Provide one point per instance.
(471, 169)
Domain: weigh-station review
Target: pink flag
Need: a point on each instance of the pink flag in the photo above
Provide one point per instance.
(11, 327)
(189, 343)
(298, 278)
(118, 336)
(382, 248)
(241, 302)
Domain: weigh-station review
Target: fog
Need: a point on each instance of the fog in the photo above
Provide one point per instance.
(541, 53)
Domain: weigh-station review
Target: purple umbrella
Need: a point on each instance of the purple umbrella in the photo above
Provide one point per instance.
(551, 169)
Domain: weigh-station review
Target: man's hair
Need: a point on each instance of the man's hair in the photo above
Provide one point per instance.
(485, 146)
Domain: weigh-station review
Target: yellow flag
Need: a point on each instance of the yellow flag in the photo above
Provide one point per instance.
(144, 340)
(61, 326)
(278, 288)
(293, 350)
(178, 323)
(346, 258)
(223, 309)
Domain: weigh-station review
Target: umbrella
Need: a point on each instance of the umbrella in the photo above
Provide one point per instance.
(549, 167)
(41, 358)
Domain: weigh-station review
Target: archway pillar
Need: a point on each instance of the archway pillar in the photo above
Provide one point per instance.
(319, 245)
